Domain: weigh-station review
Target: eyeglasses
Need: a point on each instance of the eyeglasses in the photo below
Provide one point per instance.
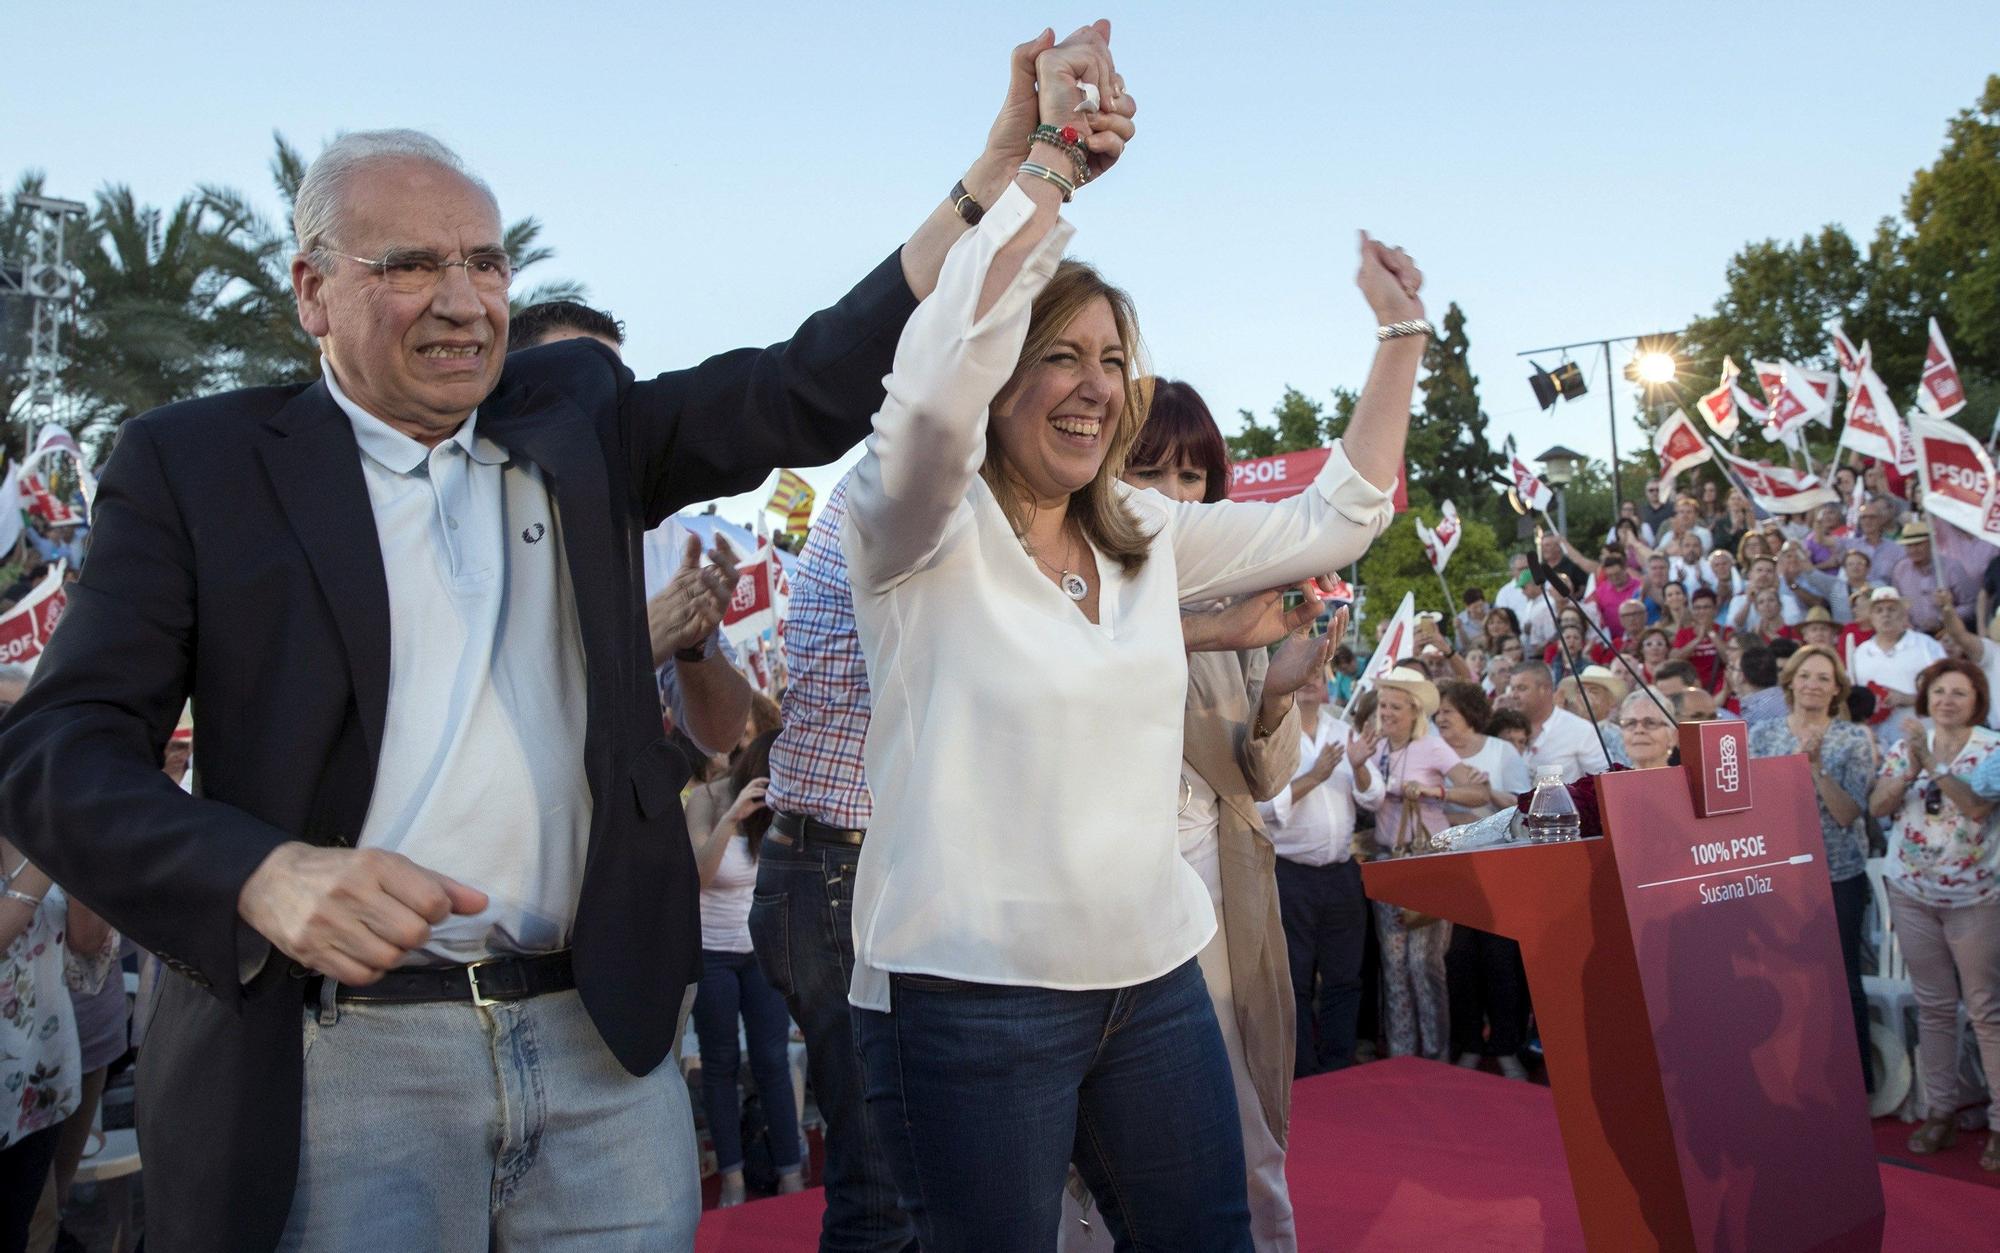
(1642, 724)
(413, 270)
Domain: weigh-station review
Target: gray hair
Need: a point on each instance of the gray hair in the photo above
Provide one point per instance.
(1644, 696)
(316, 208)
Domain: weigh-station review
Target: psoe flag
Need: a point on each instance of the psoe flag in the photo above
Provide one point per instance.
(1847, 355)
(1874, 428)
(1535, 495)
(1941, 393)
(1718, 408)
(1398, 641)
(1679, 445)
(1957, 476)
(1777, 489)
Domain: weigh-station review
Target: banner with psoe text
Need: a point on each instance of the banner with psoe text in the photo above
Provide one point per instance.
(1679, 445)
(1284, 475)
(25, 629)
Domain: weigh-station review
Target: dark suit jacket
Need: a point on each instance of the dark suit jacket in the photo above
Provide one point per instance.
(234, 559)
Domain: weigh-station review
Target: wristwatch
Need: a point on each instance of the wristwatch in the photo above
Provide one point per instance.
(698, 652)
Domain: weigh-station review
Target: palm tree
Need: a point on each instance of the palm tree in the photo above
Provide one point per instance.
(146, 326)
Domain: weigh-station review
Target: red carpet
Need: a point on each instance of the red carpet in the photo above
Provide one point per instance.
(1416, 1155)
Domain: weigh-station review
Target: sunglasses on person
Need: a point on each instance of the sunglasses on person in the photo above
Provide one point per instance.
(1643, 724)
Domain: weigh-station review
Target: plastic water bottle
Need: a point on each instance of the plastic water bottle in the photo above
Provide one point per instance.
(1552, 817)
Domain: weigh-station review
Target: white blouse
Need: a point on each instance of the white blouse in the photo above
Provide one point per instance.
(1026, 762)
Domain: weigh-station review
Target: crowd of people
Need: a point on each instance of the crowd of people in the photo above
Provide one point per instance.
(1856, 634)
(1048, 848)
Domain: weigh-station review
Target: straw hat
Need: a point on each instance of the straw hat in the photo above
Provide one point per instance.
(1818, 613)
(1915, 529)
(1412, 683)
(1610, 680)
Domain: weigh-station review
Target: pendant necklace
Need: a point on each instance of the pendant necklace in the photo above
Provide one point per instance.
(1071, 583)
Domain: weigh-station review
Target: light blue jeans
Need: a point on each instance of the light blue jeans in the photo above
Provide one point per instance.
(461, 1128)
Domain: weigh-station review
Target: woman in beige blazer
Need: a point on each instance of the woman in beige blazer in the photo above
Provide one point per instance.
(1240, 746)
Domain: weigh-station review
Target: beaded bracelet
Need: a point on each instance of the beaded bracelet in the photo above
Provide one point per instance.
(1047, 175)
(1067, 139)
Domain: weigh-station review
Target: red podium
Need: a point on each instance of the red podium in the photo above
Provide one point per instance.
(1687, 979)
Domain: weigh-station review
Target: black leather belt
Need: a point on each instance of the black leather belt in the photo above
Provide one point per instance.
(807, 831)
(486, 982)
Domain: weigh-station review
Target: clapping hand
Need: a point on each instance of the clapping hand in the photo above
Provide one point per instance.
(1302, 659)
(692, 604)
(1917, 739)
(1390, 281)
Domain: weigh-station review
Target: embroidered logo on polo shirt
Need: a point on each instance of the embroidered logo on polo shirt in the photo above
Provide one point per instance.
(534, 532)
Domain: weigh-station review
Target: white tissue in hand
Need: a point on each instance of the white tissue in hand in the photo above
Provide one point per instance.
(1089, 102)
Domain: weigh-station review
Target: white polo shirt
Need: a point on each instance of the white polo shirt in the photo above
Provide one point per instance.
(481, 773)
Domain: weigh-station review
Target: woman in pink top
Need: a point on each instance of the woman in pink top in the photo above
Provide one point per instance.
(1420, 772)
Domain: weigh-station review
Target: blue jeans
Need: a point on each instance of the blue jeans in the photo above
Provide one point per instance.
(504, 1127)
(802, 922)
(733, 986)
(1326, 926)
(993, 1091)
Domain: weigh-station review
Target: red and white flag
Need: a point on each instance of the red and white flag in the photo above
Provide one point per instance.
(1441, 543)
(1821, 383)
(1941, 393)
(1778, 489)
(1718, 408)
(1397, 641)
(1791, 400)
(1874, 428)
(1847, 355)
(25, 629)
(1679, 445)
(1535, 495)
(1749, 405)
(1957, 476)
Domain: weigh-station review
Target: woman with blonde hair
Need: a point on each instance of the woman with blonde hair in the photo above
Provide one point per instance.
(1841, 755)
(1420, 775)
(1026, 987)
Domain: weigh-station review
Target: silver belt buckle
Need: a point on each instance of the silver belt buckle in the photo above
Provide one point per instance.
(472, 977)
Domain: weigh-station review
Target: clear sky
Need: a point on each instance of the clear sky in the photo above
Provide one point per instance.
(715, 172)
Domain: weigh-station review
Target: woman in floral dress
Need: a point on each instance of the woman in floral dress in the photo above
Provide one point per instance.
(41, 1063)
(1943, 877)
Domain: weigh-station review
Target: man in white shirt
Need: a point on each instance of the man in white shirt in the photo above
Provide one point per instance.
(1319, 885)
(1538, 621)
(1558, 740)
(1511, 596)
(1892, 658)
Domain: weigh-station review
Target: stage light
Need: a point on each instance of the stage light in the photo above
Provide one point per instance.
(1655, 368)
(1564, 383)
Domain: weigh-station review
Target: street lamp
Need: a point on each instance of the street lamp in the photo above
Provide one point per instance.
(1559, 468)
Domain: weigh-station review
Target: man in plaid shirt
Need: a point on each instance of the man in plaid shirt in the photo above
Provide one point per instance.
(803, 913)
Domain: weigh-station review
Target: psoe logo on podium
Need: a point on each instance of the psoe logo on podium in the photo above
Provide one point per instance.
(1716, 756)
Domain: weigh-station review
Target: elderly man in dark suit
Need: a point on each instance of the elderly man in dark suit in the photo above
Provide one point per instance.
(433, 911)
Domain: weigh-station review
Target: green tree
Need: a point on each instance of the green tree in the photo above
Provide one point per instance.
(1297, 422)
(1395, 564)
(1953, 209)
(1940, 259)
(1449, 455)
